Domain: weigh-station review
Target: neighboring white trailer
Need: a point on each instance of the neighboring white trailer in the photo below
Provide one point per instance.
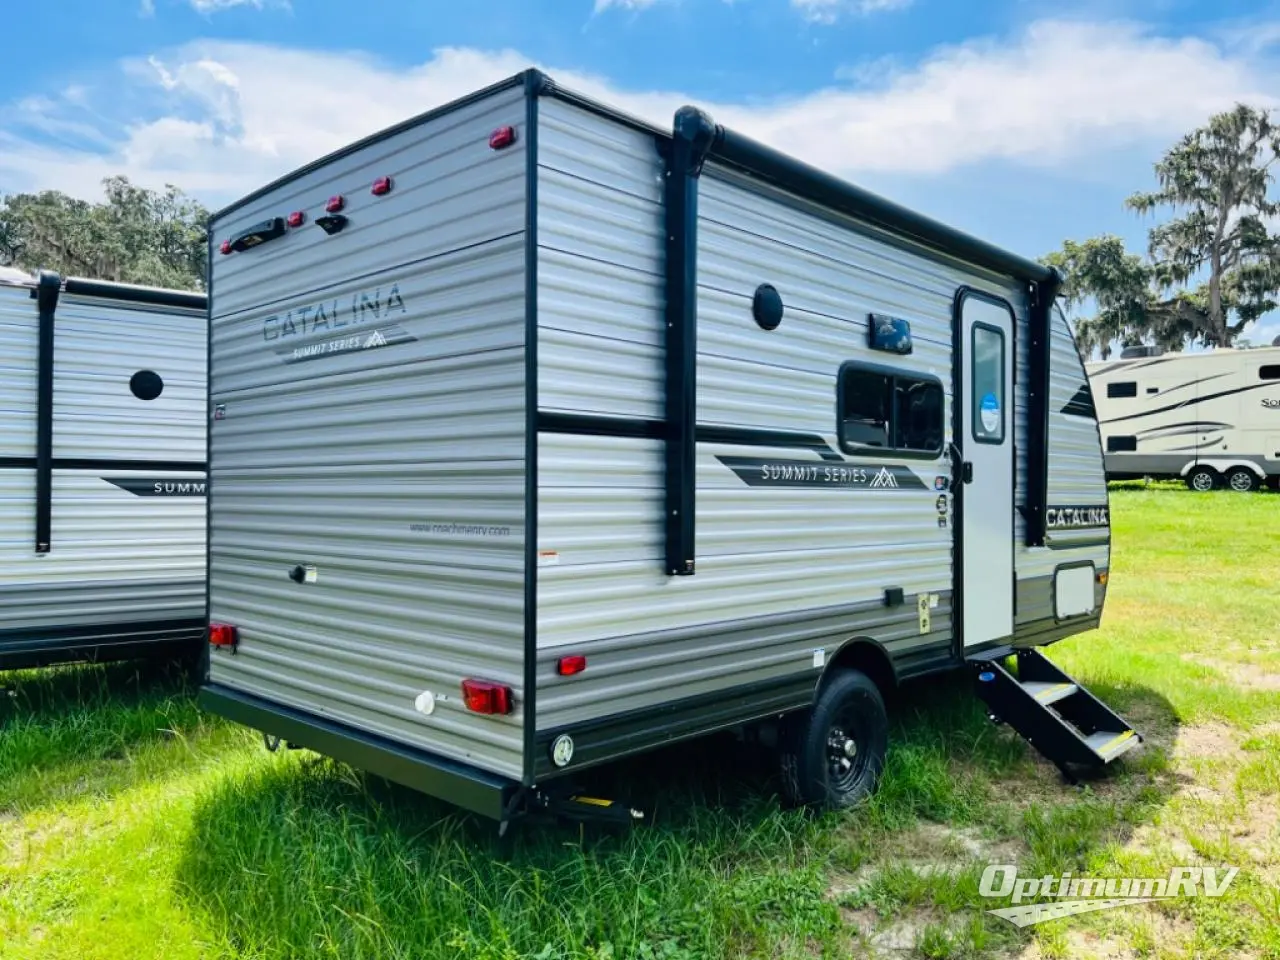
(102, 470)
(541, 436)
(1211, 419)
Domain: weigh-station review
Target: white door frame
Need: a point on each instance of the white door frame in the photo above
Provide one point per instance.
(986, 350)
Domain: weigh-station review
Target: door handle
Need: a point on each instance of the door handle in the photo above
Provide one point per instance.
(962, 467)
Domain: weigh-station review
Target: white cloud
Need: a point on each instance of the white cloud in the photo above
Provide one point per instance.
(223, 118)
(602, 5)
(828, 11)
(214, 6)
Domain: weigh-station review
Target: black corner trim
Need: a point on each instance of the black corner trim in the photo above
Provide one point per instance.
(458, 783)
(535, 85)
(133, 293)
(1039, 347)
(693, 136)
(48, 287)
(765, 163)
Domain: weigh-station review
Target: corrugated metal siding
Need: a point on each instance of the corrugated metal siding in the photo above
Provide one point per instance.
(397, 472)
(18, 328)
(1076, 476)
(116, 557)
(764, 554)
(98, 346)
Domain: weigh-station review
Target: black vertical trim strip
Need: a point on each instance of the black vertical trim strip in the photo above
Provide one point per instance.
(692, 137)
(203, 668)
(1040, 352)
(535, 85)
(47, 289)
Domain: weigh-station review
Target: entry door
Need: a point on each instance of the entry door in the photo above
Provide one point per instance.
(986, 444)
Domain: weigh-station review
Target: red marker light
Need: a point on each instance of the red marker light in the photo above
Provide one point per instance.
(381, 187)
(568, 666)
(223, 635)
(502, 138)
(336, 203)
(482, 696)
(226, 247)
(296, 219)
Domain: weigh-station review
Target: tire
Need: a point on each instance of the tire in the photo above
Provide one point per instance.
(833, 754)
(1202, 479)
(1242, 480)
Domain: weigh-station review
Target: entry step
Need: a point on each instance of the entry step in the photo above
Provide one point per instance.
(1052, 712)
(1048, 693)
(1108, 744)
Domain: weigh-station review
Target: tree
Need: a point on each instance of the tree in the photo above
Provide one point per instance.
(1220, 175)
(1118, 282)
(136, 235)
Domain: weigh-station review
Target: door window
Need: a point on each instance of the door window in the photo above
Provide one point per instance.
(987, 359)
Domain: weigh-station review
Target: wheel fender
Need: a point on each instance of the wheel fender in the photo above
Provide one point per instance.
(866, 655)
(1223, 466)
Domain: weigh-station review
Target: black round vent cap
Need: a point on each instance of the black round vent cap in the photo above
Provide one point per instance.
(766, 307)
(146, 385)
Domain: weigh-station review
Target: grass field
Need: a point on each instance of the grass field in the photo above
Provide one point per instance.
(132, 826)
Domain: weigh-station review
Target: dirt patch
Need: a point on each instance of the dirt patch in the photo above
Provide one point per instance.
(1243, 675)
(1214, 740)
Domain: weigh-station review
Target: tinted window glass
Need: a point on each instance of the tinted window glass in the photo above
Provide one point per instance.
(882, 410)
(1128, 388)
(1270, 371)
(988, 378)
(917, 415)
(1122, 444)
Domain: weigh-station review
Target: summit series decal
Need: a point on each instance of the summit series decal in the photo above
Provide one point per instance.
(769, 472)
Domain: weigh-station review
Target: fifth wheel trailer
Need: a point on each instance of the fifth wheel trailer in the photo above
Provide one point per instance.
(1211, 419)
(102, 470)
(541, 436)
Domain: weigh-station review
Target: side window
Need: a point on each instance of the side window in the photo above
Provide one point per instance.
(1126, 388)
(1122, 444)
(1270, 371)
(883, 410)
(988, 384)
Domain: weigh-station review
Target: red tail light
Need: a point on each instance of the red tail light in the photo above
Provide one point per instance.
(223, 635)
(335, 203)
(502, 137)
(482, 696)
(296, 219)
(226, 247)
(381, 187)
(568, 666)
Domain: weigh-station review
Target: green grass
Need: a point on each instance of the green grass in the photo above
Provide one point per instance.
(133, 826)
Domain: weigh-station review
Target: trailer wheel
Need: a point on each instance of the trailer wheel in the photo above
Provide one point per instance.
(1202, 479)
(1242, 480)
(833, 754)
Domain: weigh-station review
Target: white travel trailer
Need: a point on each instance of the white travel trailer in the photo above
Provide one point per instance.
(1212, 419)
(541, 436)
(102, 470)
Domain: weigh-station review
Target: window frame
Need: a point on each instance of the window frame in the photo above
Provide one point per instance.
(893, 373)
(975, 401)
(1112, 395)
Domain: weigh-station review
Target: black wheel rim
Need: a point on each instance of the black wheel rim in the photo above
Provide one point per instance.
(847, 752)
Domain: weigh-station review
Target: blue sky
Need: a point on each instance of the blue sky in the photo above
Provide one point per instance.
(1022, 121)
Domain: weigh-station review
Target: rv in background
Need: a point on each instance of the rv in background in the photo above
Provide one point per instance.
(102, 470)
(543, 436)
(1211, 419)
